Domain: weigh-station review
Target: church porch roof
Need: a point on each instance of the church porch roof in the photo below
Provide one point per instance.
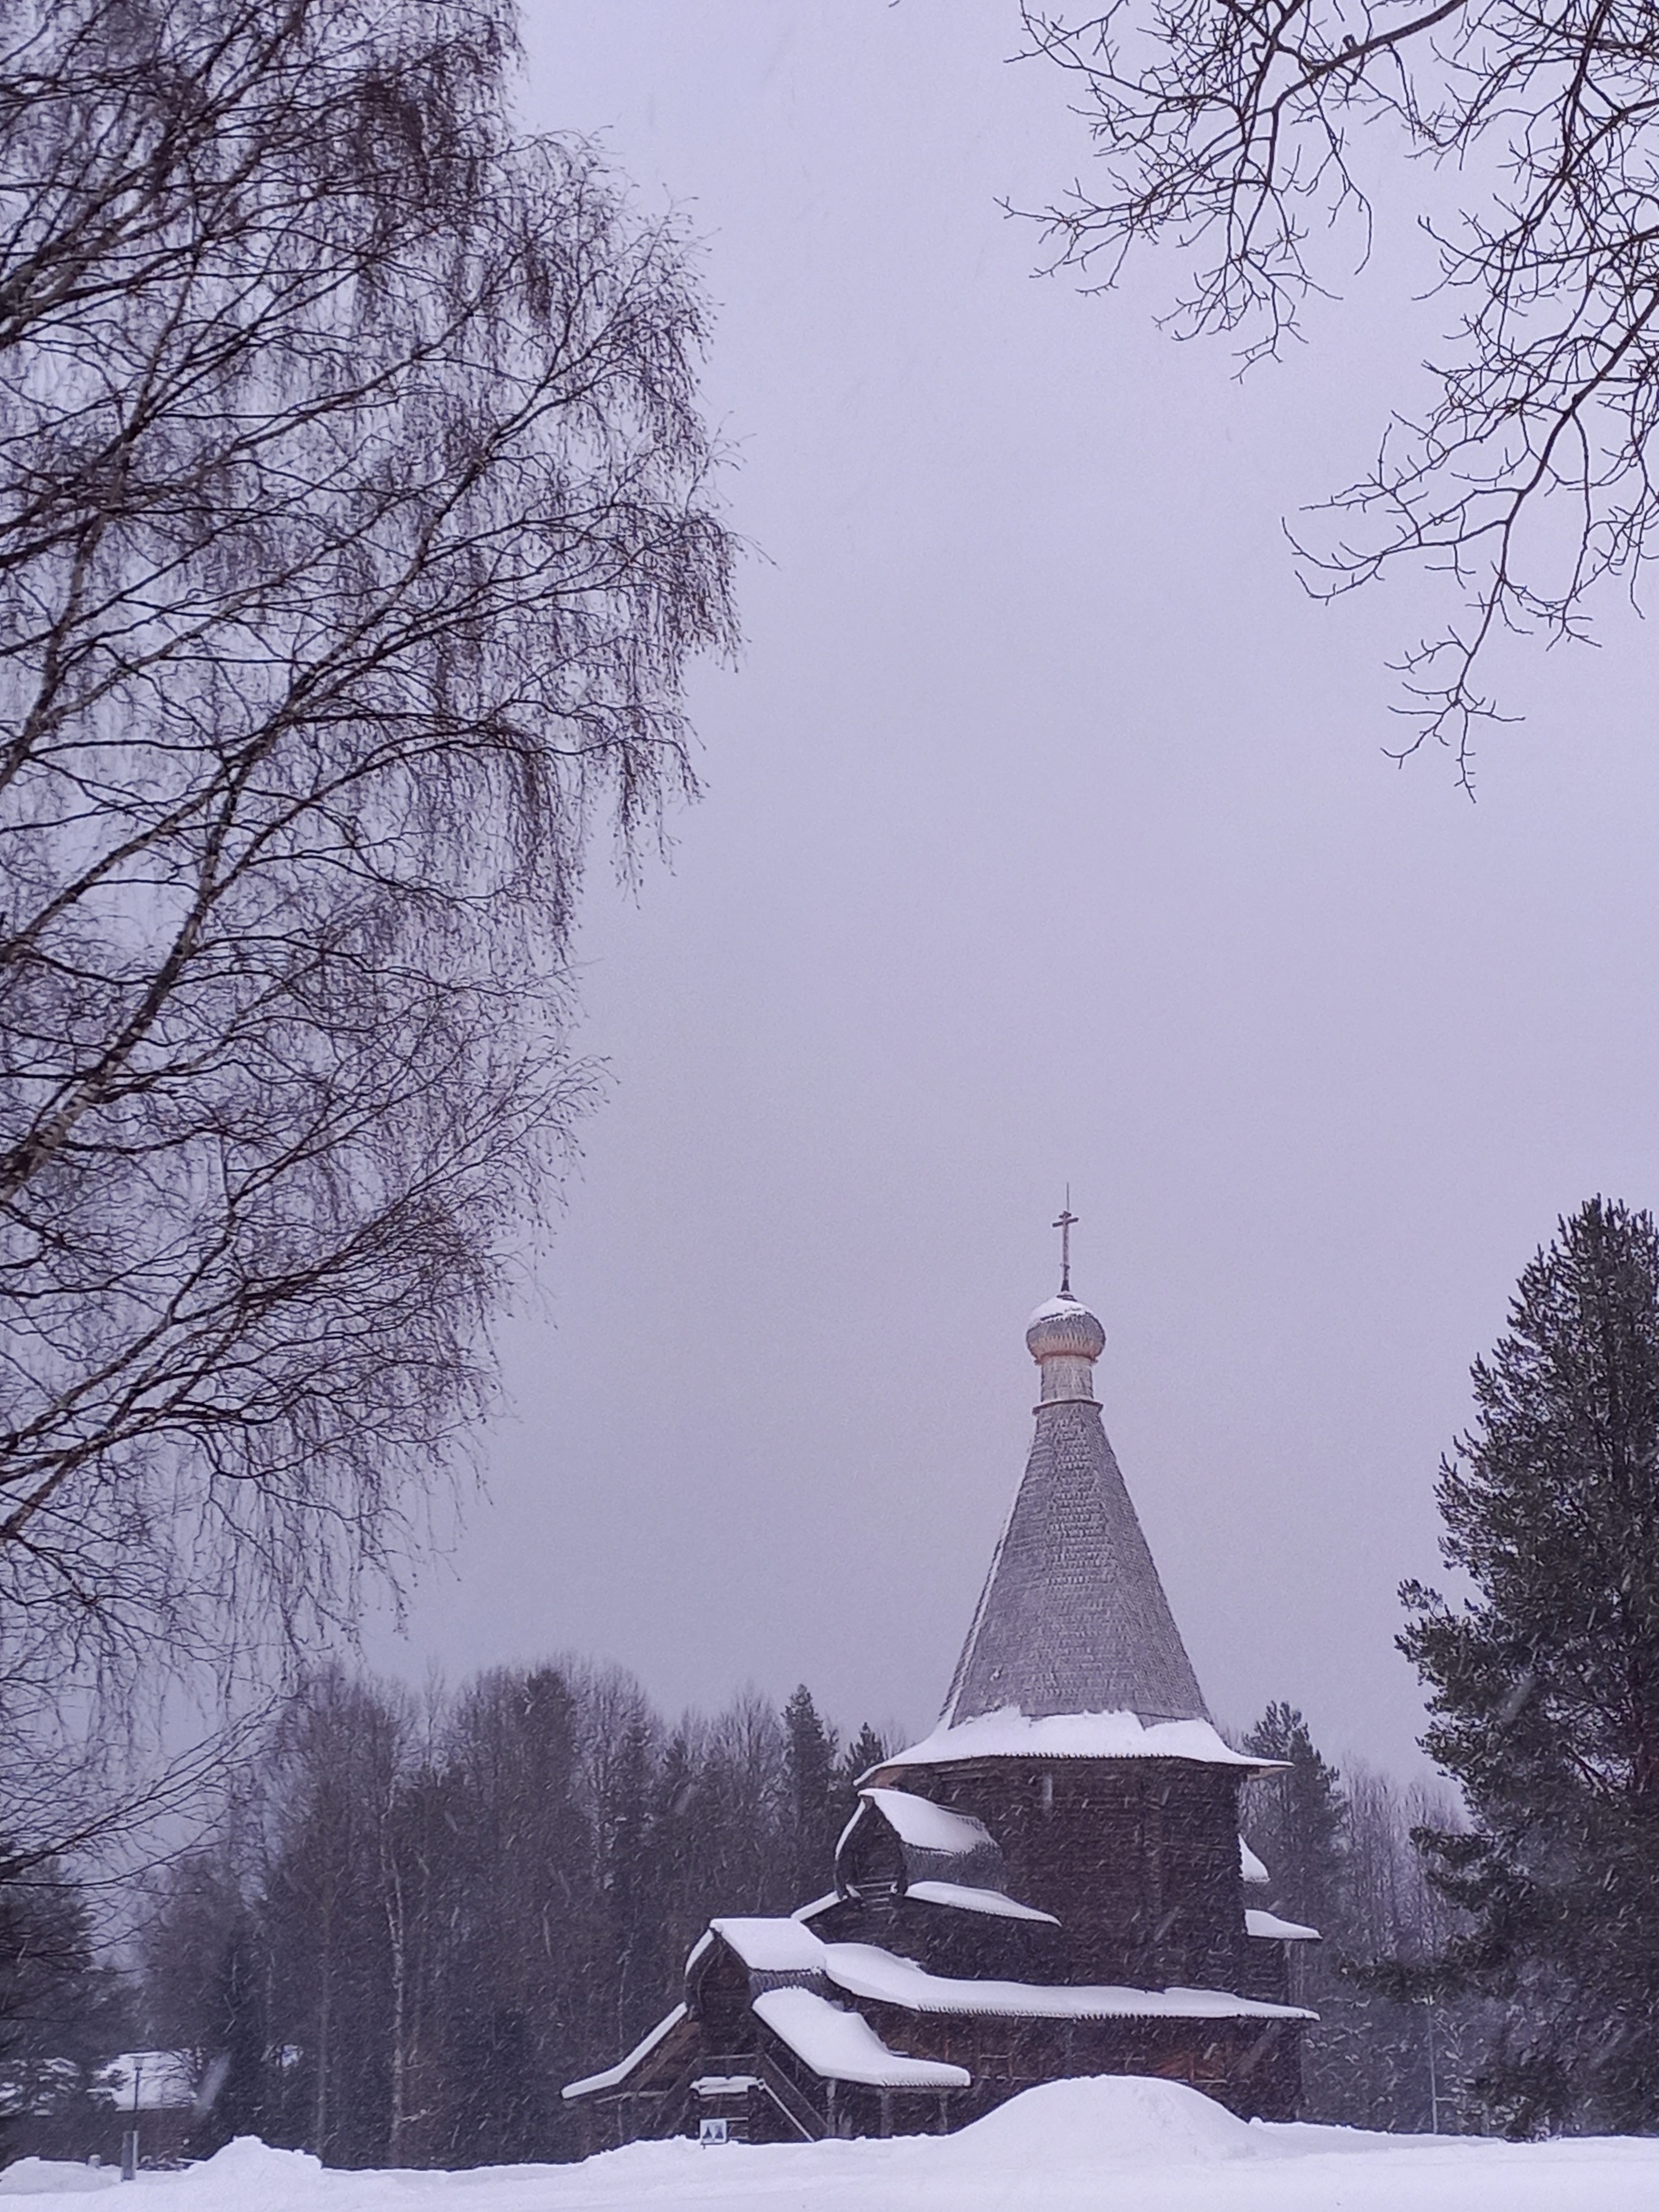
(838, 2046)
(1268, 1928)
(649, 2046)
(961, 1896)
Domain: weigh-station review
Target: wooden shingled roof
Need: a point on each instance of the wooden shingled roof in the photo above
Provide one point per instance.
(1073, 1618)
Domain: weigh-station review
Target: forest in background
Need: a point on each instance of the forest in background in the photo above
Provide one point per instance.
(420, 1916)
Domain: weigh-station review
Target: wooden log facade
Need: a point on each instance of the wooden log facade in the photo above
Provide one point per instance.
(1052, 1884)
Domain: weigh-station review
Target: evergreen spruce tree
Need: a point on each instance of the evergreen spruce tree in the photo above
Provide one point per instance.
(1297, 1820)
(235, 2076)
(866, 1750)
(811, 1755)
(61, 2013)
(681, 1848)
(1543, 1687)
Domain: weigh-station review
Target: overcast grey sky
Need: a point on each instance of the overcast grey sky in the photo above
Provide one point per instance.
(1047, 834)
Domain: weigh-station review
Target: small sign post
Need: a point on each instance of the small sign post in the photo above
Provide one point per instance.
(130, 2140)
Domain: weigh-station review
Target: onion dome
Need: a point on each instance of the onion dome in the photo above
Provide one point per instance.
(1065, 1339)
(1065, 1329)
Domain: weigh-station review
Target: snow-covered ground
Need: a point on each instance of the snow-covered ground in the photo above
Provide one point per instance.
(1107, 2146)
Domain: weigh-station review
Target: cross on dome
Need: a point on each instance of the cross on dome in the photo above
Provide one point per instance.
(1065, 1224)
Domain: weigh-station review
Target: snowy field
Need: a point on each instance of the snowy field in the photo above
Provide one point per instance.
(1140, 2146)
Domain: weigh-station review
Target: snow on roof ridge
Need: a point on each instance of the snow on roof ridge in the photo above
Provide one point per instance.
(841, 2045)
(1010, 1733)
(770, 1945)
(1269, 1925)
(967, 1899)
(864, 1971)
(613, 2074)
(817, 1905)
(928, 1826)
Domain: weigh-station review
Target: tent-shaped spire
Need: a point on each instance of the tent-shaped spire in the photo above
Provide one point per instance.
(1073, 1618)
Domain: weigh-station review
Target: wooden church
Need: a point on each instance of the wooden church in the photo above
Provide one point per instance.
(1053, 1883)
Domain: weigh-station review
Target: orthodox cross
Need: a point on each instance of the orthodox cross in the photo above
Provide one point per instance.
(1064, 1226)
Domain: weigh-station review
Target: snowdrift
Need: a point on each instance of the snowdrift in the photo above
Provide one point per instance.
(1121, 2116)
(1083, 2146)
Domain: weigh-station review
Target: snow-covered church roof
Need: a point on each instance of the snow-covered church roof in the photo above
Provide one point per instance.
(1073, 1618)
(1050, 1737)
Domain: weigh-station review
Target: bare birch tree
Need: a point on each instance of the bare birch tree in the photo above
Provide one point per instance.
(354, 539)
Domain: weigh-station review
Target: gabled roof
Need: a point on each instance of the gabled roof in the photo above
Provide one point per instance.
(1251, 1868)
(770, 1946)
(930, 1853)
(1073, 1618)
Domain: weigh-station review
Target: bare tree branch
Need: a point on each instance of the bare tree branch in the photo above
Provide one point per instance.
(1228, 126)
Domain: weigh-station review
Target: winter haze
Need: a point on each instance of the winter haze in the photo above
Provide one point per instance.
(1049, 834)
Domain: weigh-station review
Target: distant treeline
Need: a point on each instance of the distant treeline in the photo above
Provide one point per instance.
(423, 1916)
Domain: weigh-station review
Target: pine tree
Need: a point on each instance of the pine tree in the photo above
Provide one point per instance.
(1544, 1688)
(439, 1918)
